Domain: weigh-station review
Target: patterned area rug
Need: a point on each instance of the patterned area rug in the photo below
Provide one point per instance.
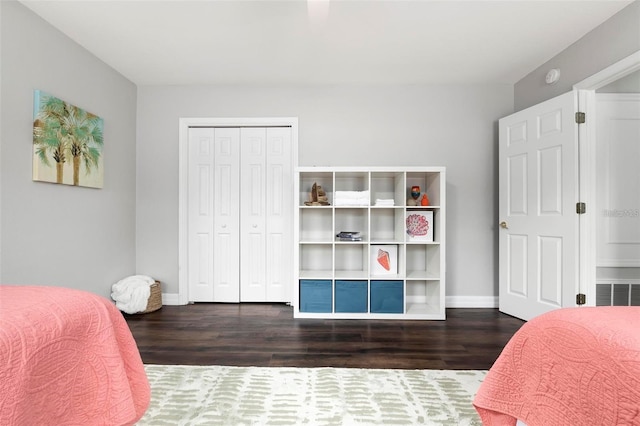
(215, 395)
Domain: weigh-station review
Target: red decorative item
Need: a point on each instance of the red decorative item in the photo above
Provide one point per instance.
(383, 259)
(425, 200)
(417, 225)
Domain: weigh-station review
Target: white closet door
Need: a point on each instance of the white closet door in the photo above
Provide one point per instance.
(265, 215)
(240, 214)
(226, 195)
(279, 205)
(213, 215)
(200, 234)
(252, 214)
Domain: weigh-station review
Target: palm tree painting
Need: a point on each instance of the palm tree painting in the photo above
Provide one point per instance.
(67, 143)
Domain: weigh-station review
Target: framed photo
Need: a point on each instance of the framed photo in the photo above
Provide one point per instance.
(384, 259)
(419, 225)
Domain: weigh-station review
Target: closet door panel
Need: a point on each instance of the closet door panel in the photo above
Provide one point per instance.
(226, 246)
(252, 217)
(279, 205)
(200, 234)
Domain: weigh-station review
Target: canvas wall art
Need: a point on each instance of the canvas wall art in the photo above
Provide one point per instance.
(67, 143)
(383, 259)
(419, 225)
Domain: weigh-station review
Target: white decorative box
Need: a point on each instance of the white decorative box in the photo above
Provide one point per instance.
(419, 225)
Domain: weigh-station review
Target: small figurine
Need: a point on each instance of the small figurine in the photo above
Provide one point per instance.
(415, 193)
(318, 196)
(425, 200)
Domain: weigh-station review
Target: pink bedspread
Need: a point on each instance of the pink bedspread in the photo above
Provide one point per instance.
(572, 366)
(67, 357)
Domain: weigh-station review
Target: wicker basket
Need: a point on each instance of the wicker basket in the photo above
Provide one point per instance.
(155, 298)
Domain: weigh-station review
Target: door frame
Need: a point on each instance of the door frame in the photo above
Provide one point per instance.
(183, 177)
(587, 167)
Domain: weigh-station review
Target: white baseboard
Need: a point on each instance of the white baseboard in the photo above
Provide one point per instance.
(451, 301)
(471, 301)
(171, 299)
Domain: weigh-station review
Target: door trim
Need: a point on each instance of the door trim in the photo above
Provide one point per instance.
(183, 177)
(587, 159)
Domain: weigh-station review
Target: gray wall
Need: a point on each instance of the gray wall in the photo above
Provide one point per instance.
(613, 40)
(57, 234)
(627, 84)
(86, 238)
(452, 126)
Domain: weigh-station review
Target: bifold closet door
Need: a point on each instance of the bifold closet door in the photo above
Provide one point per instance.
(214, 197)
(240, 214)
(266, 186)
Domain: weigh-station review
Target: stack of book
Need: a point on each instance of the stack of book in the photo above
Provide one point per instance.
(349, 236)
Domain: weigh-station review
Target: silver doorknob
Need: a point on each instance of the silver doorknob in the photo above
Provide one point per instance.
(504, 225)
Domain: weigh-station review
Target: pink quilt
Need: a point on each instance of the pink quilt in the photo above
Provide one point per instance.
(572, 366)
(67, 357)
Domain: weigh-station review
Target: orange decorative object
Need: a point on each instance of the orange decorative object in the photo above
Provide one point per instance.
(425, 200)
(383, 259)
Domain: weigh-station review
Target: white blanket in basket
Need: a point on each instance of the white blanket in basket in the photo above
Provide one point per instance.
(131, 294)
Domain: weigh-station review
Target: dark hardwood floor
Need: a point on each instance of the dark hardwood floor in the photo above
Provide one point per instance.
(267, 335)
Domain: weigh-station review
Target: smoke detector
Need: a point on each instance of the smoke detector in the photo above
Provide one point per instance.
(552, 76)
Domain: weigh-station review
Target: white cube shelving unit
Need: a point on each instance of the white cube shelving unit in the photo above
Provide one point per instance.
(337, 279)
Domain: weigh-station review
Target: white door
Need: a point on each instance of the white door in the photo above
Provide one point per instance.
(200, 236)
(618, 180)
(252, 218)
(226, 223)
(278, 215)
(265, 214)
(240, 186)
(213, 235)
(538, 180)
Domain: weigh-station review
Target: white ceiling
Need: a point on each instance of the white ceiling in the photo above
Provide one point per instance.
(264, 42)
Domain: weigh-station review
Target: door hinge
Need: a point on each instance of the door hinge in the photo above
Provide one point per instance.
(581, 208)
(580, 117)
(581, 299)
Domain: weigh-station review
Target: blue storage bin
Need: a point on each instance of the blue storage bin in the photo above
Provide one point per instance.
(387, 297)
(315, 296)
(351, 296)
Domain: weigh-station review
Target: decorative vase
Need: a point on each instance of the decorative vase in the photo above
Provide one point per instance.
(415, 192)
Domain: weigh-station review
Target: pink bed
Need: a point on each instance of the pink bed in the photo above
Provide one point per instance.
(572, 366)
(67, 357)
